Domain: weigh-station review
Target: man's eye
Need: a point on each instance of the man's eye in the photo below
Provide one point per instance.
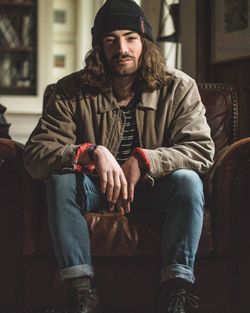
(109, 40)
(132, 38)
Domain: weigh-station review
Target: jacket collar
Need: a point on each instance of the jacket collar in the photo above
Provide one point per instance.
(107, 101)
(149, 100)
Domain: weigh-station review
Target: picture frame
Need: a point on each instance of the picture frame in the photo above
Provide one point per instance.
(64, 17)
(230, 30)
(63, 60)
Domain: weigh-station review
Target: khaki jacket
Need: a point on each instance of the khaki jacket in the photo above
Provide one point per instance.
(171, 124)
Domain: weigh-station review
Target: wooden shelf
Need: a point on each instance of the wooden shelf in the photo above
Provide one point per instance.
(17, 4)
(12, 91)
(20, 49)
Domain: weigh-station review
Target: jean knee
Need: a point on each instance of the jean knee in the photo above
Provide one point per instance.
(189, 186)
(62, 193)
(61, 184)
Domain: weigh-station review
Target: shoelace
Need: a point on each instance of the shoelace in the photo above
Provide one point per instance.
(85, 296)
(178, 300)
(82, 298)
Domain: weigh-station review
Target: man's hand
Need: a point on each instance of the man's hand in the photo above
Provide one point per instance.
(112, 178)
(132, 172)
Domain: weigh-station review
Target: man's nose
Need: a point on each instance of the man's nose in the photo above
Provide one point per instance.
(122, 46)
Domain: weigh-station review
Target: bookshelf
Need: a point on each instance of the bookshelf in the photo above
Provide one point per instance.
(18, 47)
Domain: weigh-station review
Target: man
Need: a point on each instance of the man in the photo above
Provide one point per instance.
(136, 126)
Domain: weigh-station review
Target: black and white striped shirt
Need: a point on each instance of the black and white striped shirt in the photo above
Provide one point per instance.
(130, 136)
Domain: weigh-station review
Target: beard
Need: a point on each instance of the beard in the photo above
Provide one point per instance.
(122, 70)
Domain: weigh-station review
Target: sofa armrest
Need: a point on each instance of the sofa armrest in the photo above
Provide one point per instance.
(9, 148)
(22, 200)
(228, 188)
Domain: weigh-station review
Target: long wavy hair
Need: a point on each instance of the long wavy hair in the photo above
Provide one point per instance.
(152, 72)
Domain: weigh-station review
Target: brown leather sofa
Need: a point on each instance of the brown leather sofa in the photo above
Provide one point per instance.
(126, 249)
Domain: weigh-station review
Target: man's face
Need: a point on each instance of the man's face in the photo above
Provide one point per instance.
(122, 49)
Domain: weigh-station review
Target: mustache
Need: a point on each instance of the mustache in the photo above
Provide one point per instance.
(119, 56)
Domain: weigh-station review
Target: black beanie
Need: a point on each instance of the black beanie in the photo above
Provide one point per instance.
(117, 15)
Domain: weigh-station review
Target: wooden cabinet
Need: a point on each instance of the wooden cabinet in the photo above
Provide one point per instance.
(18, 47)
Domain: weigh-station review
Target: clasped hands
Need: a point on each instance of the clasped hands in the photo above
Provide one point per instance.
(117, 182)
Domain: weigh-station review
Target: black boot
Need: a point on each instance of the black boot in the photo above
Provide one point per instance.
(84, 301)
(177, 302)
(175, 299)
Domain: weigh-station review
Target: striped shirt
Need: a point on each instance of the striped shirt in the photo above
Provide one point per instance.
(130, 136)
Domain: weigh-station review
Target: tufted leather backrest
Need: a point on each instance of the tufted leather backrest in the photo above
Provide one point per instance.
(221, 105)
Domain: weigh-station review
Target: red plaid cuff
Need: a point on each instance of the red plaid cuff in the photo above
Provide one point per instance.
(79, 168)
(139, 152)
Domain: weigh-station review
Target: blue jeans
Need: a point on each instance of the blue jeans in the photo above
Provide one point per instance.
(178, 195)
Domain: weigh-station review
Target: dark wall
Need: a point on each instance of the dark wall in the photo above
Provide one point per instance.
(236, 73)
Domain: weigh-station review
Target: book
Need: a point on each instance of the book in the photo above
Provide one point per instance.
(9, 32)
(26, 31)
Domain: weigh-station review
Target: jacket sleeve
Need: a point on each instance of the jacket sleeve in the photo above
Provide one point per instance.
(190, 144)
(51, 146)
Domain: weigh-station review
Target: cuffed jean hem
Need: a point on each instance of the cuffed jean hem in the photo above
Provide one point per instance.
(177, 271)
(76, 271)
